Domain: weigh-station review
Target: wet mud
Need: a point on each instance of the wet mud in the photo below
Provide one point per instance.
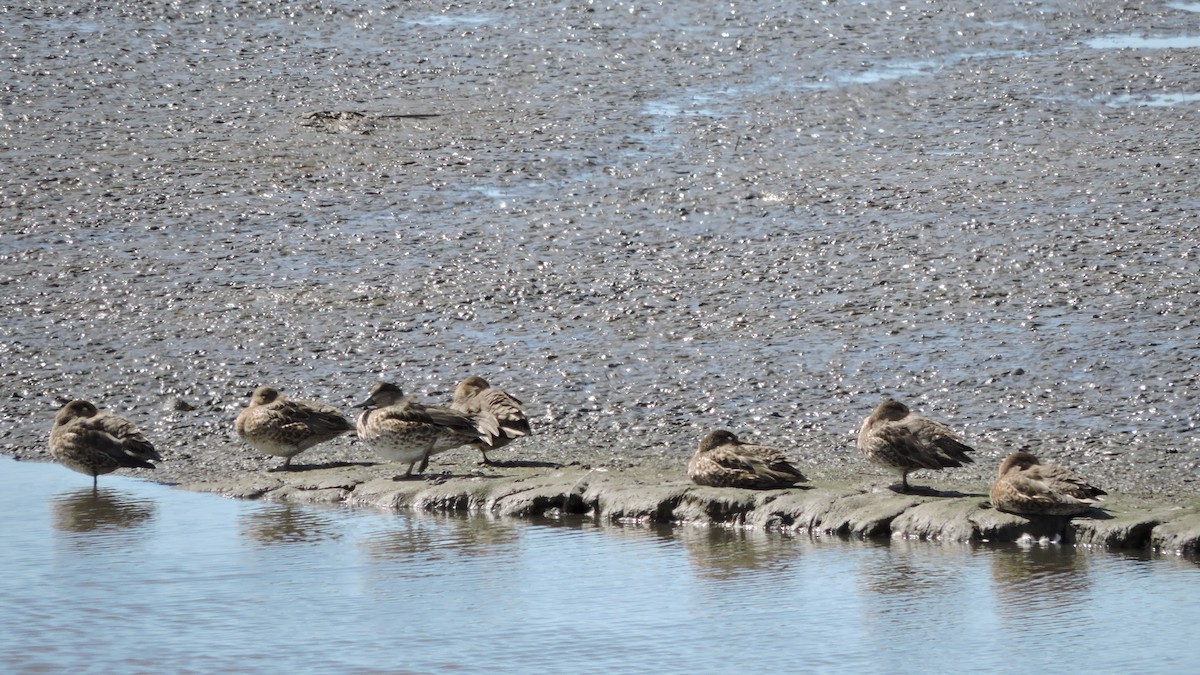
(645, 220)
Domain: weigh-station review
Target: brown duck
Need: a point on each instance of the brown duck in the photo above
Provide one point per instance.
(473, 396)
(281, 427)
(1030, 488)
(400, 429)
(896, 438)
(94, 442)
(722, 460)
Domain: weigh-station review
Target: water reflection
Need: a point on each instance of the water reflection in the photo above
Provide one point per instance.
(288, 524)
(721, 553)
(429, 538)
(1039, 579)
(912, 569)
(917, 591)
(222, 583)
(87, 510)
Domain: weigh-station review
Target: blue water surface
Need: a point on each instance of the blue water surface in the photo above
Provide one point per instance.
(144, 577)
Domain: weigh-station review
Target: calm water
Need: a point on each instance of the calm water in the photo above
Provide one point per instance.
(141, 576)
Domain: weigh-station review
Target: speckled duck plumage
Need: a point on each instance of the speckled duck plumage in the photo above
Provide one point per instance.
(723, 460)
(401, 429)
(275, 425)
(1028, 487)
(95, 442)
(898, 439)
(474, 396)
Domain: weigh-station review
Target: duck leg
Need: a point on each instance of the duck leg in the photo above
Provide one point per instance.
(426, 455)
(407, 474)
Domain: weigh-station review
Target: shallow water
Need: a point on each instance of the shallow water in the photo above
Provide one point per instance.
(141, 576)
(647, 220)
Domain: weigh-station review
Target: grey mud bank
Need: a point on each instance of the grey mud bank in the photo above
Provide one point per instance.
(655, 493)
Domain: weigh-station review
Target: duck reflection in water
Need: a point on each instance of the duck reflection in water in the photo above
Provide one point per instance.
(283, 524)
(1033, 578)
(912, 570)
(722, 553)
(90, 510)
(430, 538)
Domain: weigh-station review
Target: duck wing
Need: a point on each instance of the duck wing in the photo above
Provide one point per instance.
(317, 418)
(1062, 480)
(753, 465)
(507, 410)
(116, 437)
(897, 445)
(1018, 492)
(407, 413)
(500, 407)
(935, 442)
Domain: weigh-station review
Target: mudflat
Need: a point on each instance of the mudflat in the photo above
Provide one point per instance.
(645, 221)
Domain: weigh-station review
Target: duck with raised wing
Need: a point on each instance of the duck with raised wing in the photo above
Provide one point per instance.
(278, 426)
(1027, 487)
(400, 429)
(473, 396)
(898, 439)
(723, 460)
(94, 442)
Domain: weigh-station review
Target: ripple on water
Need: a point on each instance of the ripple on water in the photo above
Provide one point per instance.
(98, 515)
(217, 584)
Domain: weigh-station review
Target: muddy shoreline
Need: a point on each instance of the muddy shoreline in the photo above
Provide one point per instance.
(655, 491)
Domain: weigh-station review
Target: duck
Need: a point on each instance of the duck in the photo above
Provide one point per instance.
(723, 460)
(895, 438)
(278, 426)
(1027, 487)
(401, 429)
(474, 395)
(94, 442)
